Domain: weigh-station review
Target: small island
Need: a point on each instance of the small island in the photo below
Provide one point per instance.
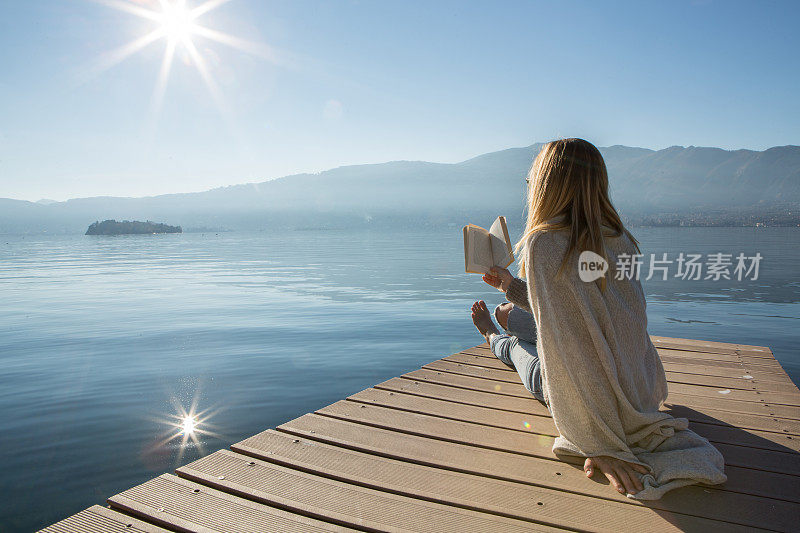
(130, 227)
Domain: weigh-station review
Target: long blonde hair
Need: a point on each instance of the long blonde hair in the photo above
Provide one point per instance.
(569, 178)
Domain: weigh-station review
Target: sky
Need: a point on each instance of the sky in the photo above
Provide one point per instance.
(303, 86)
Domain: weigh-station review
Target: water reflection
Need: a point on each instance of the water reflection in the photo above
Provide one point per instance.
(185, 429)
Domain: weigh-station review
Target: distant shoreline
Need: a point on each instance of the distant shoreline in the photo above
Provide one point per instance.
(335, 227)
(676, 186)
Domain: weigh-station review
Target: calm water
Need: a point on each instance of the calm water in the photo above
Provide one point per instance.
(103, 339)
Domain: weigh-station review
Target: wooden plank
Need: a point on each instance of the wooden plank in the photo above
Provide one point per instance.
(676, 364)
(771, 365)
(514, 389)
(699, 355)
(782, 398)
(182, 505)
(734, 379)
(732, 361)
(760, 371)
(770, 467)
(741, 373)
(740, 448)
(755, 350)
(736, 372)
(762, 349)
(100, 520)
(515, 500)
(496, 369)
(344, 503)
(695, 342)
(694, 500)
(762, 363)
(781, 426)
(694, 365)
(544, 424)
(705, 347)
(711, 346)
(768, 366)
(694, 345)
(752, 364)
(522, 442)
(723, 403)
(533, 407)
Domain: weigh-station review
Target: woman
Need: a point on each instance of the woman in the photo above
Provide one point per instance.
(582, 347)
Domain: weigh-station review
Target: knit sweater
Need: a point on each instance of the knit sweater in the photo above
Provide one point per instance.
(602, 377)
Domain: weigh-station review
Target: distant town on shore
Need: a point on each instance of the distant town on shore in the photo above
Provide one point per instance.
(756, 216)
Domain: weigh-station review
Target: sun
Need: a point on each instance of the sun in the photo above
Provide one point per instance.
(177, 22)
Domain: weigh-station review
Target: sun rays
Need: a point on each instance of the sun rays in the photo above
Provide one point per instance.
(186, 428)
(176, 24)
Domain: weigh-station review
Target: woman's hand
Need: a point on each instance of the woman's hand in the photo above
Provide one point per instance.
(499, 278)
(621, 474)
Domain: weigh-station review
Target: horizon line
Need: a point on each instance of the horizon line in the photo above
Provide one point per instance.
(51, 201)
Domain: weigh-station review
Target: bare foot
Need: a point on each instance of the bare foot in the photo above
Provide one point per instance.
(483, 320)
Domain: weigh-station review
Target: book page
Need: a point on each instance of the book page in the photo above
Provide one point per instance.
(502, 252)
(477, 250)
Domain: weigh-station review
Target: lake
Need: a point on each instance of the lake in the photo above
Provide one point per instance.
(105, 340)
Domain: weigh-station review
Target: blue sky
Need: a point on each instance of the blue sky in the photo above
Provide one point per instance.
(335, 83)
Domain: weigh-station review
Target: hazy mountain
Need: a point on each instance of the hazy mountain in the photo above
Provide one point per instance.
(644, 183)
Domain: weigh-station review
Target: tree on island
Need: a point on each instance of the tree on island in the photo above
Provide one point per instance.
(129, 227)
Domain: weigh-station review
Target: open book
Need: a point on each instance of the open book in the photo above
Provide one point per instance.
(485, 249)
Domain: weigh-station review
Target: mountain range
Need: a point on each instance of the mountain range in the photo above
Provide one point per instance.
(676, 185)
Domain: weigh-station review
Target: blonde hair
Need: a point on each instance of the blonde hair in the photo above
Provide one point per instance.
(569, 178)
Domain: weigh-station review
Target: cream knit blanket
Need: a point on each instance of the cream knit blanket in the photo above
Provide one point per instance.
(602, 377)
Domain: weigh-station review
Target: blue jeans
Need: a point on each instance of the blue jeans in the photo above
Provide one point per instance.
(517, 349)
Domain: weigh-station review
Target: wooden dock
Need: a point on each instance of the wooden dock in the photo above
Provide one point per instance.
(460, 446)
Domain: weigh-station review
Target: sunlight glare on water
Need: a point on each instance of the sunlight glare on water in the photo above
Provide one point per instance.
(188, 425)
